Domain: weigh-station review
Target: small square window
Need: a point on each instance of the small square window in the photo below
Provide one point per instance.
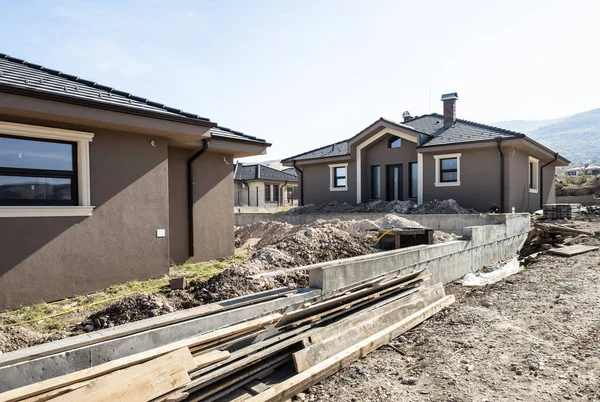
(338, 177)
(394, 142)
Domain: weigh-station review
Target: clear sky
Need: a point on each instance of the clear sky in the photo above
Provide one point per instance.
(303, 74)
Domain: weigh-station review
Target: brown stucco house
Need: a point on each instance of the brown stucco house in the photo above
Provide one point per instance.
(434, 156)
(258, 185)
(98, 186)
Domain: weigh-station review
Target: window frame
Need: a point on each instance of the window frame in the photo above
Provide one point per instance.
(392, 140)
(269, 192)
(80, 203)
(275, 192)
(45, 173)
(533, 177)
(438, 170)
(333, 177)
(412, 165)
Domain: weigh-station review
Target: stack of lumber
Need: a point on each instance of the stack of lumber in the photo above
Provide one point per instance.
(270, 358)
(561, 211)
(547, 236)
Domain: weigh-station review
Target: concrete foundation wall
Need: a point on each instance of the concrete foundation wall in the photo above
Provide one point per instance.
(449, 223)
(576, 199)
(446, 262)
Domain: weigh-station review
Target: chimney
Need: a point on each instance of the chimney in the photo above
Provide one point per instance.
(449, 107)
(406, 116)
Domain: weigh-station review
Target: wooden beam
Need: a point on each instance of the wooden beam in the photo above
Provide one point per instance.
(206, 359)
(92, 372)
(300, 382)
(316, 353)
(139, 383)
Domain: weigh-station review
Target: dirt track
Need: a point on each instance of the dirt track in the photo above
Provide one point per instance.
(533, 337)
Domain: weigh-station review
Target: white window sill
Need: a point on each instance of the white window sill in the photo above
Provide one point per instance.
(533, 190)
(43, 212)
(338, 188)
(448, 184)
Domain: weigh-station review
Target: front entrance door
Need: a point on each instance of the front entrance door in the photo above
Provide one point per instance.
(394, 182)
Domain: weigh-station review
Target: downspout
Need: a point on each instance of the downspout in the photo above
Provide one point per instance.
(498, 142)
(542, 178)
(301, 173)
(190, 186)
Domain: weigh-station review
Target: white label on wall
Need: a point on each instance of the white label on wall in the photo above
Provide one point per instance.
(160, 233)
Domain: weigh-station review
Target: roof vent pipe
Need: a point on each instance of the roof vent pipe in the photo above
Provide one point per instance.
(406, 116)
(449, 101)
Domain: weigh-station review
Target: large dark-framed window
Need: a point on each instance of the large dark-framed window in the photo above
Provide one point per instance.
(376, 182)
(448, 170)
(37, 172)
(276, 192)
(339, 177)
(267, 193)
(413, 179)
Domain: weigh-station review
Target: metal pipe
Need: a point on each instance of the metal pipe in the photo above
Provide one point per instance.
(301, 182)
(190, 188)
(498, 142)
(542, 178)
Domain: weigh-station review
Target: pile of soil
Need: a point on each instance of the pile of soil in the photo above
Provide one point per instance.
(13, 338)
(581, 186)
(449, 206)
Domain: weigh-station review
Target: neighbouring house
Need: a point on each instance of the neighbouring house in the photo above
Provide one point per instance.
(583, 171)
(434, 156)
(257, 185)
(98, 186)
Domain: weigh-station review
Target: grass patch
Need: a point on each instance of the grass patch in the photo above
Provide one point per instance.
(72, 311)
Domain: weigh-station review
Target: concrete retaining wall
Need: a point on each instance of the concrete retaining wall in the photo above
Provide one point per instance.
(446, 262)
(449, 223)
(576, 199)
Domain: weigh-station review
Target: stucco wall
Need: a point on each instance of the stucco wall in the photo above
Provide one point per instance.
(479, 177)
(52, 258)
(213, 206)
(316, 184)
(379, 154)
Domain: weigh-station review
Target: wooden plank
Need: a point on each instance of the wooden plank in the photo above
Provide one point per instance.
(570, 251)
(314, 354)
(209, 358)
(227, 342)
(92, 372)
(139, 383)
(300, 382)
(336, 301)
(256, 387)
(368, 297)
(432, 293)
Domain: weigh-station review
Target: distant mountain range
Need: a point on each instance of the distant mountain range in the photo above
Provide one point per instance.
(576, 137)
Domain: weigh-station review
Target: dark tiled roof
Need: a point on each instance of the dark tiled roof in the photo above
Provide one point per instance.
(459, 132)
(226, 133)
(337, 149)
(262, 173)
(291, 171)
(18, 73)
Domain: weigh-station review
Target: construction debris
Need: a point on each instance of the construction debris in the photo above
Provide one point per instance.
(289, 352)
(570, 251)
(512, 267)
(449, 206)
(561, 211)
(544, 237)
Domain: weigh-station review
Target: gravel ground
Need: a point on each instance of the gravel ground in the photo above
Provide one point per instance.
(532, 337)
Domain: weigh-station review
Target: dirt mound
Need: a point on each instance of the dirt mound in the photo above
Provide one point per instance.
(128, 309)
(263, 233)
(307, 245)
(449, 206)
(13, 338)
(579, 185)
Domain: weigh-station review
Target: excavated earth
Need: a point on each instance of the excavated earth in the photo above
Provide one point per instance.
(448, 206)
(534, 336)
